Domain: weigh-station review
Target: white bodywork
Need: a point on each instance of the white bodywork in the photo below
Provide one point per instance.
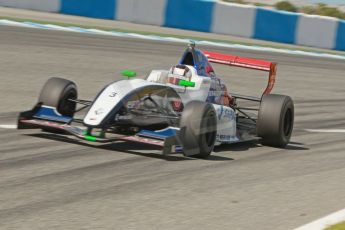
(226, 116)
(114, 93)
(111, 96)
(226, 124)
(198, 93)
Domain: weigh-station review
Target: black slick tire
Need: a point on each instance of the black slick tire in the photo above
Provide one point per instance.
(198, 129)
(56, 93)
(275, 120)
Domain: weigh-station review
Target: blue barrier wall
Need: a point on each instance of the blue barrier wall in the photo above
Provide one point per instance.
(340, 43)
(189, 14)
(206, 16)
(275, 26)
(104, 9)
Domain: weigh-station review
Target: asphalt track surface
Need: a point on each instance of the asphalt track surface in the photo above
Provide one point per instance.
(47, 182)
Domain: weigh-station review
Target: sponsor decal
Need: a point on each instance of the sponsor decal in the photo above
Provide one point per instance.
(226, 138)
(144, 140)
(215, 93)
(225, 113)
(99, 111)
(220, 112)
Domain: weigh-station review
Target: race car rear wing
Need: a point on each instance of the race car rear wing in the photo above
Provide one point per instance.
(246, 63)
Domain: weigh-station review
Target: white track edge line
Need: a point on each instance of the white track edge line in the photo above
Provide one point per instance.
(325, 130)
(8, 126)
(324, 222)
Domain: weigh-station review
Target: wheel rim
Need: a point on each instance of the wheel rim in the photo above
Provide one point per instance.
(67, 107)
(287, 123)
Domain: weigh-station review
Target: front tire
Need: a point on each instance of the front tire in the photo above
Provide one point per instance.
(198, 129)
(56, 93)
(276, 119)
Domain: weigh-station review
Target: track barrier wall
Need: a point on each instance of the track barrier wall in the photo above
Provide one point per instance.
(206, 16)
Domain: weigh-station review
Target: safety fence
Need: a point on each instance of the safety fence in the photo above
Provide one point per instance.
(207, 16)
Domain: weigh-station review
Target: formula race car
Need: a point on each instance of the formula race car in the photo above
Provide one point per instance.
(185, 109)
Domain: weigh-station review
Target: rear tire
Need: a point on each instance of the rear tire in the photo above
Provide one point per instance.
(275, 121)
(56, 93)
(198, 129)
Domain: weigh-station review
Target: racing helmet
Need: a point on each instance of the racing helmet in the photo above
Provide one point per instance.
(179, 72)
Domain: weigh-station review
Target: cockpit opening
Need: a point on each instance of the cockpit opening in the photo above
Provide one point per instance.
(188, 59)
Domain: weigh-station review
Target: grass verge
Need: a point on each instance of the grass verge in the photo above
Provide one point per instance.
(339, 226)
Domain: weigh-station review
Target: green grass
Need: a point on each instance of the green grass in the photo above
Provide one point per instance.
(340, 226)
(318, 9)
(244, 2)
(307, 49)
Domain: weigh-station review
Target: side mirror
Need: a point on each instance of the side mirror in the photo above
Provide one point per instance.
(128, 73)
(186, 83)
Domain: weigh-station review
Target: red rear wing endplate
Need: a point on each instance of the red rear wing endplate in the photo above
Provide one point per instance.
(246, 63)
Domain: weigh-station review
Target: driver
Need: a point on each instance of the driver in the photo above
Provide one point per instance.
(179, 72)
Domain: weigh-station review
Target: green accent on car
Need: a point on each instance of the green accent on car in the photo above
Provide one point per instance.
(90, 138)
(186, 83)
(128, 73)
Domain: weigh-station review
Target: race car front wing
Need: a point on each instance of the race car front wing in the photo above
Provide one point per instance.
(48, 119)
